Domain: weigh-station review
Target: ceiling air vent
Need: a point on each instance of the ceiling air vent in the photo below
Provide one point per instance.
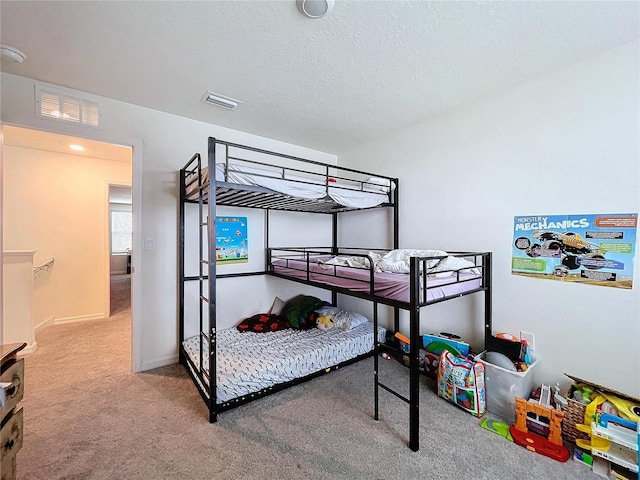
(67, 108)
(221, 100)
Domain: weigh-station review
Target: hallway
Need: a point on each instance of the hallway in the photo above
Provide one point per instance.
(120, 293)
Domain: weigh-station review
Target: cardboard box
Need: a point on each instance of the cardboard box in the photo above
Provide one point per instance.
(503, 386)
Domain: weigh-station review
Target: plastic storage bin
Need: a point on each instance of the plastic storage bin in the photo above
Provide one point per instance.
(503, 386)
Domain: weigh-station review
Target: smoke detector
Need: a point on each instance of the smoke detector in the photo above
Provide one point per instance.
(314, 8)
(12, 54)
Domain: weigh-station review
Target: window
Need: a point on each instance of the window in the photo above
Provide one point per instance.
(121, 228)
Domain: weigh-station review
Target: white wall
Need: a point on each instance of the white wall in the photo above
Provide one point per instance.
(56, 204)
(163, 143)
(17, 297)
(566, 143)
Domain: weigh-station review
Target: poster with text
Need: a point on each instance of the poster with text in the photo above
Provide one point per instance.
(231, 240)
(591, 249)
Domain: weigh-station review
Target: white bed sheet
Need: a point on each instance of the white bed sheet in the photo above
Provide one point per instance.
(248, 362)
(297, 186)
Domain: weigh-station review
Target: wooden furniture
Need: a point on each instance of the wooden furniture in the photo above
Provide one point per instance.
(11, 431)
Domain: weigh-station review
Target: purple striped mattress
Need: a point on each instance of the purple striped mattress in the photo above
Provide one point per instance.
(393, 286)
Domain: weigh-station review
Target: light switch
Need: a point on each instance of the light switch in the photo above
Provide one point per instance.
(149, 243)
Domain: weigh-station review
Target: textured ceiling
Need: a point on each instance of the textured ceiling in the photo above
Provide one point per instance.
(367, 69)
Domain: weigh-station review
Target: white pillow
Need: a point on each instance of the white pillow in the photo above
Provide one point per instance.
(397, 261)
(327, 310)
(344, 319)
(278, 305)
(453, 263)
(348, 320)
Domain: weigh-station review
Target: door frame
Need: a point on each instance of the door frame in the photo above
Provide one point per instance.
(136, 207)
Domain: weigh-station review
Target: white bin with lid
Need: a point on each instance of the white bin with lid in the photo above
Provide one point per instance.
(502, 386)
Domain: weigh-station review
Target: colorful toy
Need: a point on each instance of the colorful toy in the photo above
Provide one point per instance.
(594, 443)
(625, 408)
(614, 439)
(436, 343)
(582, 457)
(437, 347)
(550, 446)
(507, 336)
(325, 322)
(500, 360)
(405, 342)
(498, 428)
(461, 381)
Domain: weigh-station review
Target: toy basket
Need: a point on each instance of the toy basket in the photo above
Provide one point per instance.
(575, 411)
(573, 414)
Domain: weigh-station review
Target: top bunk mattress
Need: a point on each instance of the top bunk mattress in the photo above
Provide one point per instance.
(248, 362)
(366, 193)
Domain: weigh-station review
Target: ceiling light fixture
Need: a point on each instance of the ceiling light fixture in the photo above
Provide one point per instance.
(314, 8)
(77, 148)
(12, 54)
(221, 101)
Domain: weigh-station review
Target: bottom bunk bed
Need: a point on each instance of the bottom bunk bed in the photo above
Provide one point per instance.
(250, 365)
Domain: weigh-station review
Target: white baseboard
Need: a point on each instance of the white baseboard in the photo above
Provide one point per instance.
(29, 349)
(160, 362)
(80, 318)
(47, 323)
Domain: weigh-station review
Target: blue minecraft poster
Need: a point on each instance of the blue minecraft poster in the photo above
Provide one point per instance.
(592, 249)
(231, 240)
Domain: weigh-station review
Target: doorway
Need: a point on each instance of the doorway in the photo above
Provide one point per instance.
(64, 223)
(120, 247)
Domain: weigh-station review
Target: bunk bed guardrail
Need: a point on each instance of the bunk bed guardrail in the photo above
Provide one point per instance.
(357, 270)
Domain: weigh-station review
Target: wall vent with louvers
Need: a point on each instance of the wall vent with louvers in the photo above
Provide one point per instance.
(67, 108)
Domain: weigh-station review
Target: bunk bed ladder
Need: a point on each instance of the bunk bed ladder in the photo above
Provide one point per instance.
(414, 358)
(414, 347)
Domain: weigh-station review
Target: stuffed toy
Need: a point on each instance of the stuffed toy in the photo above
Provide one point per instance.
(325, 322)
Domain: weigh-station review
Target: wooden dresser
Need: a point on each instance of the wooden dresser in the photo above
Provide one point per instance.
(11, 431)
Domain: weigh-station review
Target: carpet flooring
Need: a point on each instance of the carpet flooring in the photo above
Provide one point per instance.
(120, 293)
(88, 417)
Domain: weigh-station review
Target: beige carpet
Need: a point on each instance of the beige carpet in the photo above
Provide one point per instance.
(88, 417)
(120, 291)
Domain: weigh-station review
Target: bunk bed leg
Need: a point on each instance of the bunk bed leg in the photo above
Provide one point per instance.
(211, 281)
(414, 357)
(414, 382)
(376, 377)
(213, 416)
(181, 264)
(488, 326)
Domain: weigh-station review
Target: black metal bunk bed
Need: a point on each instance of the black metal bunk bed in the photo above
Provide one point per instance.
(199, 185)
